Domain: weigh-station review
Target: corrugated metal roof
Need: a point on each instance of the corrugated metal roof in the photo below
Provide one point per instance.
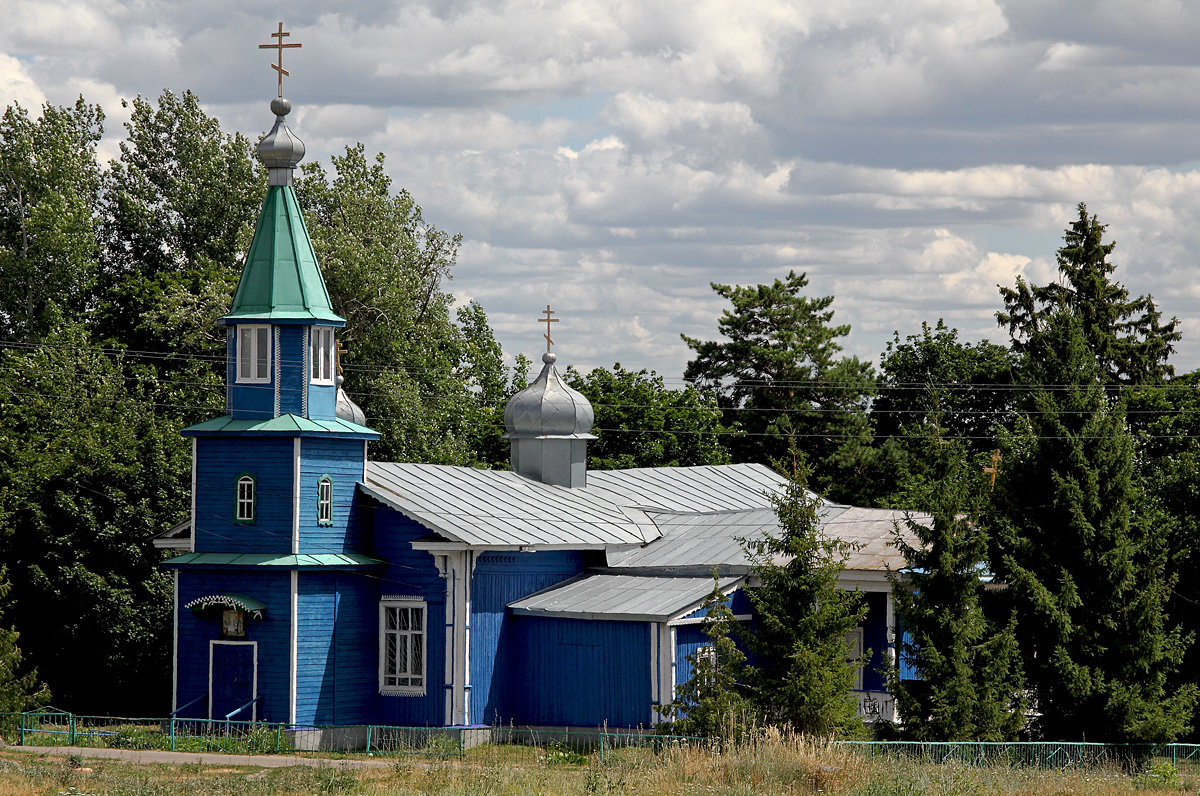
(500, 508)
(626, 598)
(728, 487)
(714, 540)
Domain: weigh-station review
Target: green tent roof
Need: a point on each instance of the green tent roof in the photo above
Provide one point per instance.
(281, 280)
(288, 424)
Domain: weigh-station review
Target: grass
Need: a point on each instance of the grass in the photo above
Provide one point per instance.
(771, 764)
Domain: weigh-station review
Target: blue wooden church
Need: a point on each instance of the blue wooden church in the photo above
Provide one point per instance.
(317, 587)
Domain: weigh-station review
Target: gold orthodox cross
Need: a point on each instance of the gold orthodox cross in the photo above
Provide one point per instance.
(279, 45)
(548, 320)
(340, 351)
(994, 469)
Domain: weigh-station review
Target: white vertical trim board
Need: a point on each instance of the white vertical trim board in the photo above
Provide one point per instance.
(296, 496)
(293, 643)
(447, 572)
(175, 645)
(664, 638)
(253, 678)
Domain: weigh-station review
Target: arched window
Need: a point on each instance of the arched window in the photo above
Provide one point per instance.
(325, 501)
(244, 511)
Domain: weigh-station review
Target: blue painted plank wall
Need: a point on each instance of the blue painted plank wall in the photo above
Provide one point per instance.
(220, 461)
(410, 573)
(293, 375)
(582, 673)
(738, 602)
(336, 667)
(688, 639)
(272, 635)
(500, 578)
(875, 640)
(342, 461)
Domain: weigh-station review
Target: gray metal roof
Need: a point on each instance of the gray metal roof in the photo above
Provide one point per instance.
(500, 508)
(626, 598)
(871, 531)
(728, 487)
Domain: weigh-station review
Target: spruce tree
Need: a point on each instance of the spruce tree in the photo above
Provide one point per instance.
(969, 684)
(1083, 555)
(802, 677)
(713, 700)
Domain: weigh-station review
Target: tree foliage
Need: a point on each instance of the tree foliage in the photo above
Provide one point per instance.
(968, 682)
(642, 423)
(1125, 336)
(20, 689)
(713, 702)
(1083, 554)
(802, 676)
(779, 376)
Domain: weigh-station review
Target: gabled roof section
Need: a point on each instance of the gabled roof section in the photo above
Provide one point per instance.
(280, 279)
(621, 598)
(726, 487)
(492, 508)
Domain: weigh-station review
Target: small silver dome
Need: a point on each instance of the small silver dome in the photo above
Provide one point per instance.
(548, 408)
(280, 148)
(347, 409)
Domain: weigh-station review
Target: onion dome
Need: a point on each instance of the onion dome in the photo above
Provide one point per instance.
(347, 409)
(280, 150)
(548, 408)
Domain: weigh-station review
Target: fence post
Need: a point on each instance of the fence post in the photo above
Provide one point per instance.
(22, 734)
(369, 728)
(172, 733)
(602, 734)
(278, 738)
(70, 729)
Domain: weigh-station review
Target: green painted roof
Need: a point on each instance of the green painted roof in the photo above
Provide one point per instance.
(281, 279)
(301, 561)
(284, 424)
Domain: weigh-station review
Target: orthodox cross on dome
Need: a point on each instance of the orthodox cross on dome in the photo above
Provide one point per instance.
(279, 45)
(548, 320)
(993, 470)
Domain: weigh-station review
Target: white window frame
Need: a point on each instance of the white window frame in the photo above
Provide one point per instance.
(253, 354)
(325, 501)
(242, 502)
(389, 681)
(854, 651)
(322, 355)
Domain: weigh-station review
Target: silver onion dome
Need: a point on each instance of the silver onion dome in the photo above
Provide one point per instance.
(280, 150)
(347, 409)
(548, 408)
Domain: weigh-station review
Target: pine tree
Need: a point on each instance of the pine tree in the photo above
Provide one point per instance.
(713, 701)
(1083, 554)
(19, 691)
(969, 684)
(802, 677)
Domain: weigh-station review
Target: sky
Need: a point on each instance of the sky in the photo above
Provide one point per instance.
(612, 158)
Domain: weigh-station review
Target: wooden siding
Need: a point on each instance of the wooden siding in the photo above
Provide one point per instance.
(500, 578)
(272, 635)
(322, 401)
(688, 639)
(410, 573)
(875, 641)
(580, 673)
(252, 401)
(220, 461)
(336, 672)
(342, 461)
(293, 376)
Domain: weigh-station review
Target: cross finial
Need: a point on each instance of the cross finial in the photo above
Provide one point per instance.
(279, 46)
(994, 469)
(548, 320)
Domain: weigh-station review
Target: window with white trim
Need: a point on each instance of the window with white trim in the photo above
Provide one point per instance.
(254, 354)
(402, 647)
(244, 511)
(325, 501)
(854, 651)
(322, 354)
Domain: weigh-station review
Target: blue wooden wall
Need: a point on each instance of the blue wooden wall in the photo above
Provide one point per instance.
(272, 634)
(875, 640)
(411, 573)
(499, 579)
(342, 460)
(220, 461)
(581, 673)
(338, 629)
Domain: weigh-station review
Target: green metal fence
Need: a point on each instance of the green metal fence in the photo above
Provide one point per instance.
(52, 727)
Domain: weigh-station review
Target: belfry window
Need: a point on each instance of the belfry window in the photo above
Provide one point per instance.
(244, 511)
(325, 501)
(323, 355)
(254, 354)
